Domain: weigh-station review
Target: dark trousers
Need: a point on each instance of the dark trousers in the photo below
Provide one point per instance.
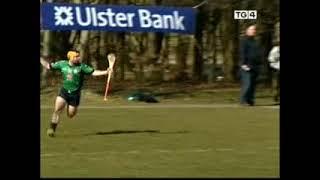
(248, 86)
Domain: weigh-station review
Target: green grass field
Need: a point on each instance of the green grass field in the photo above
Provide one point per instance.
(113, 140)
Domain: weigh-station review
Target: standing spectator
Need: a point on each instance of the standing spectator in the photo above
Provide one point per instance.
(274, 60)
(250, 62)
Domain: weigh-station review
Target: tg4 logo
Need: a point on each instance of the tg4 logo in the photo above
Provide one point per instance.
(245, 14)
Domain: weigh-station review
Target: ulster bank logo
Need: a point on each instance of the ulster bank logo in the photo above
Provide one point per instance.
(92, 17)
(63, 16)
(117, 18)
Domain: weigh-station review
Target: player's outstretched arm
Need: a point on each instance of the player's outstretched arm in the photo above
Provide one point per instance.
(44, 63)
(100, 73)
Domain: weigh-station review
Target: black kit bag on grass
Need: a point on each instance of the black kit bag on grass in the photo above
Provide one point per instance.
(139, 96)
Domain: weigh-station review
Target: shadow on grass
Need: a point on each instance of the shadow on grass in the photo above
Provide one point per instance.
(269, 104)
(264, 96)
(133, 131)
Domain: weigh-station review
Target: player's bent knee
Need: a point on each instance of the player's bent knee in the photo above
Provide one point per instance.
(57, 111)
(72, 111)
(71, 114)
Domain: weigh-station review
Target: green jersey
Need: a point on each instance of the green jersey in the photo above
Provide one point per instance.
(73, 76)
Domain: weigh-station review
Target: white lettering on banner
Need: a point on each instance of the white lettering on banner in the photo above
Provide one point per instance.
(130, 16)
(121, 17)
(178, 20)
(168, 19)
(94, 16)
(102, 21)
(104, 18)
(110, 14)
(79, 17)
(157, 21)
(89, 16)
(145, 20)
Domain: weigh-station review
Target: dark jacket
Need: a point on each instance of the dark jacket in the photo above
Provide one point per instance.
(250, 53)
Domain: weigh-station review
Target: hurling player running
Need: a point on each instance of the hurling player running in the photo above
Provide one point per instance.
(73, 72)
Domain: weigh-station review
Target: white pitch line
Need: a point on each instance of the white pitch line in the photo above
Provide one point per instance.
(126, 152)
(163, 151)
(152, 151)
(202, 150)
(167, 106)
(224, 149)
(133, 152)
(179, 151)
(273, 148)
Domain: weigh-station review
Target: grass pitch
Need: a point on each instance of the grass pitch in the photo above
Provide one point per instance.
(163, 142)
(200, 133)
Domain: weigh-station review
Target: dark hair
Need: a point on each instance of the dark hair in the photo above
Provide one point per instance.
(250, 24)
(244, 27)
